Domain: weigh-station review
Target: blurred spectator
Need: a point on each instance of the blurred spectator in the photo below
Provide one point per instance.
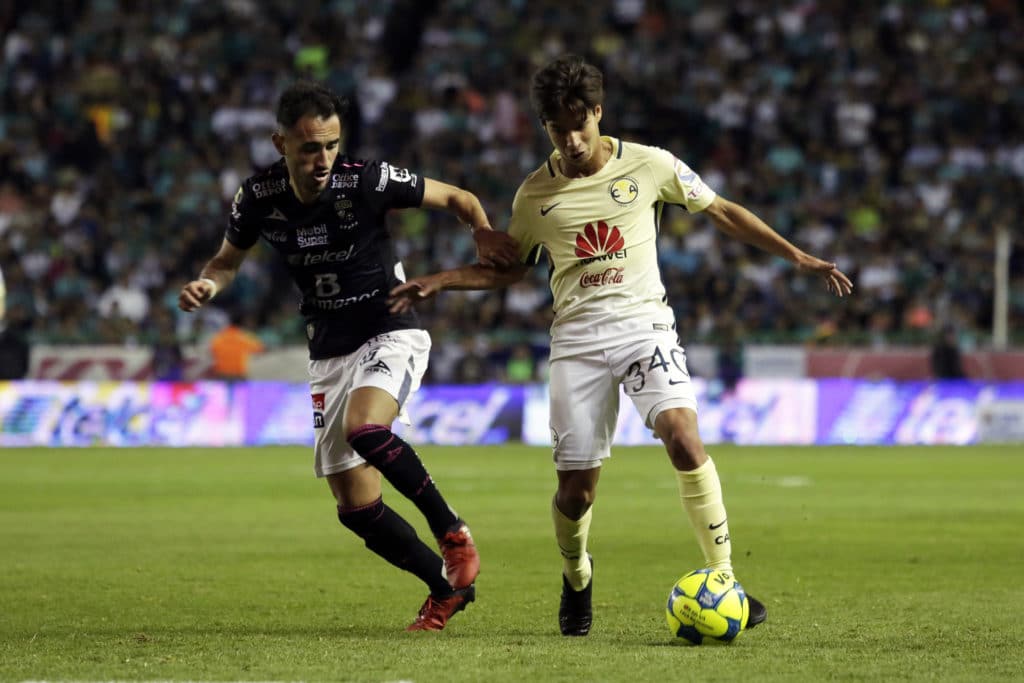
(521, 365)
(729, 355)
(14, 352)
(230, 349)
(168, 360)
(124, 299)
(14, 348)
(945, 357)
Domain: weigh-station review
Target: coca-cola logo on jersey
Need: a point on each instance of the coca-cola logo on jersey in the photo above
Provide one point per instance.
(609, 276)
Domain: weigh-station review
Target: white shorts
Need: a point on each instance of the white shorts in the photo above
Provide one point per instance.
(585, 394)
(394, 362)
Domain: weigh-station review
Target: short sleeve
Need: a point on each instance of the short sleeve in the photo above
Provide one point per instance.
(678, 183)
(519, 229)
(242, 230)
(385, 186)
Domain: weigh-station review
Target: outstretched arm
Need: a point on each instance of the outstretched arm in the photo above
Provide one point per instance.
(477, 276)
(493, 248)
(215, 276)
(738, 222)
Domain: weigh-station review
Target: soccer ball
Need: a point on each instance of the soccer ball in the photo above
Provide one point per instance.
(707, 603)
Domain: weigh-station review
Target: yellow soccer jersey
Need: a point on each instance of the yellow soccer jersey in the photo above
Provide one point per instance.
(600, 233)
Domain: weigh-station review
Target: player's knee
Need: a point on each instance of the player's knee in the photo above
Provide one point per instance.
(685, 449)
(574, 502)
(678, 430)
(353, 426)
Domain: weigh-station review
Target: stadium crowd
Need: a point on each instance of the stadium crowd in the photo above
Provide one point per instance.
(884, 135)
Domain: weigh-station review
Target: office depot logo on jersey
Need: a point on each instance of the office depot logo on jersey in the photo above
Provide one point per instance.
(312, 236)
(610, 276)
(599, 243)
(266, 188)
(344, 181)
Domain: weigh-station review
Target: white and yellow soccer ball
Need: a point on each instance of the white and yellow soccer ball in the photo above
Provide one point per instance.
(707, 603)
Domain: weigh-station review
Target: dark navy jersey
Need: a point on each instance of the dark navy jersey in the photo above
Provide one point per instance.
(338, 249)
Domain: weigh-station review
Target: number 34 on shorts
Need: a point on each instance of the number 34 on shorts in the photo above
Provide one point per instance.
(661, 367)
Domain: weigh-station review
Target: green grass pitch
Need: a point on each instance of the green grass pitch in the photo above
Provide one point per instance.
(160, 564)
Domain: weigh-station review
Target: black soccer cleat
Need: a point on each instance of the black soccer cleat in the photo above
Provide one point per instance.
(758, 612)
(575, 613)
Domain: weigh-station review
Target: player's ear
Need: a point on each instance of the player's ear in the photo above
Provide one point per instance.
(597, 113)
(278, 141)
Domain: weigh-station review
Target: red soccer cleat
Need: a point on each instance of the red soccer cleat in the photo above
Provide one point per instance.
(461, 560)
(435, 612)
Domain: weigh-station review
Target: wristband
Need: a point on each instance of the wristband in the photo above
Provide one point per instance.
(213, 285)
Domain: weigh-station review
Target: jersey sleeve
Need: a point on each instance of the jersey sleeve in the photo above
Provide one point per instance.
(519, 229)
(678, 183)
(242, 232)
(385, 186)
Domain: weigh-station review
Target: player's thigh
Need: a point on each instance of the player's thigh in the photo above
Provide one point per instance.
(584, 407)
(330, 380)
(393, 363)
(654, 376)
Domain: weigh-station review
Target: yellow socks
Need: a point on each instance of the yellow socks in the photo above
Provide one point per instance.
(572, 541)
(701, 493)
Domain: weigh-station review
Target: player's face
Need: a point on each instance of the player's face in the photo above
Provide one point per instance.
(309, 149)
(577, 141)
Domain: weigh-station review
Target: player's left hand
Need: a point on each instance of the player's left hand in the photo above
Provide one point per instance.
(494, 248)
(403, 297)
(835, 279)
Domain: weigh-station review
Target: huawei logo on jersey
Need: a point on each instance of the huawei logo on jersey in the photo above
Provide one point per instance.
(599, 244)
(595, 242)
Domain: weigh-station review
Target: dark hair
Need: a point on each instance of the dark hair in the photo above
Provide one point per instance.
(567, 84)
(306, 97)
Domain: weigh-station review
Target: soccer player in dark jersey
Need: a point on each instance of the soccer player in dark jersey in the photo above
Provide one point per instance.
(324, 213)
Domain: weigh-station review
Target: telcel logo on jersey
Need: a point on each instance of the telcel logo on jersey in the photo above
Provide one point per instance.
(267, 188)
(312, 259)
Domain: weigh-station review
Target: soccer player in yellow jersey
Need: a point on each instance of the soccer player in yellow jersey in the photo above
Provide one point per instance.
(594, 206)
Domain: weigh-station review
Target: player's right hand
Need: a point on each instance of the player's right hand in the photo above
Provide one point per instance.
(403, 297)
(194, 294)
(494, 248)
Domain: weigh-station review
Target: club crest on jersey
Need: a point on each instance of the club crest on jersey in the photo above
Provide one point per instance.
(341, 207)
(599, 243)
(624, 190)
